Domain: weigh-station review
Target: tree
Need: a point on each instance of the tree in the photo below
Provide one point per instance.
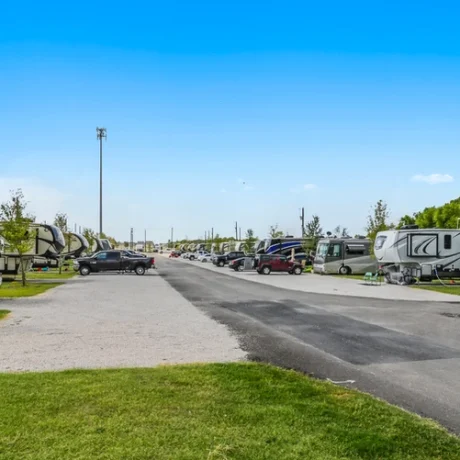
(341, 232)
(60, 220)
(313, 228)
(125, 244)
(90, 236)
(250, 241)
(377, 220)
(406, 220)
(15, 228)
(274, 232)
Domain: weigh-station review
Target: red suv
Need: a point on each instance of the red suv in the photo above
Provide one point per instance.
(265, 264)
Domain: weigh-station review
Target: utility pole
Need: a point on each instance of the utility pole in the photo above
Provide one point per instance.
(236, 230)
(101, 134)
(172, 237)
(132, 239)
(75, 228)
(212, 234)
(302, 218)
(145, 240)
(240, 234)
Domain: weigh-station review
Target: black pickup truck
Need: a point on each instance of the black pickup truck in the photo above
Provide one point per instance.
(224, 259)
(121, 261)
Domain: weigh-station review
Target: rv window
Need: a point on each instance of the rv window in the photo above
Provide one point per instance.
(447, 241)
(335, 250)
(379, 242)
(355, 249)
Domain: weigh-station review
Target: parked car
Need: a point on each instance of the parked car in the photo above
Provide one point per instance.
(240, 264)
(174, 254)
(205, 257)
(224, 259)
(112, 260)
(265, 264)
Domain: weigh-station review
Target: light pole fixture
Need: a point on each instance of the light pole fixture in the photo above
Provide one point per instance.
(101, 134)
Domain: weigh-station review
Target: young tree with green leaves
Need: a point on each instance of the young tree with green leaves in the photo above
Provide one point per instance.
(15, 227)
(274, 232)
(313, 228)
(250, 241)
(90, 236)
(378, 220)
(60, 221)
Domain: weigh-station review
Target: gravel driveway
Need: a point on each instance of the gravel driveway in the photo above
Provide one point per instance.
(110, 320)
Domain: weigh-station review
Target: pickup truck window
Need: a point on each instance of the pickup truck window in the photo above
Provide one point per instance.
(113, 255)
(102, 256)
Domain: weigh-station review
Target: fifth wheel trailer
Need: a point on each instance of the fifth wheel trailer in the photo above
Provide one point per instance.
(411, 253)
(47, 241)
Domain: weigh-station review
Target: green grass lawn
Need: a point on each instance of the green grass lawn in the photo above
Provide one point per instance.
(454, 289)
(4, 313)
(15, 289)
(214, 411)
(52, 274)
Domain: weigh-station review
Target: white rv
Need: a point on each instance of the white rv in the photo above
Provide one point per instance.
(344, 256)
(224, 247)
(48, 242)
(410, 253)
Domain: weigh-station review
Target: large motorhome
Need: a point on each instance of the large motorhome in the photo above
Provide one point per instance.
(259, 247)
(344, 256)
(411, 253)
(285, 246)
(48, 242)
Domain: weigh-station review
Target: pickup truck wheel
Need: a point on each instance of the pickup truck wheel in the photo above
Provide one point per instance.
(266, 270)
(84, 271)
(221, 263)
(240, 268)
(140, 270)
(297, 271)
(192, 257)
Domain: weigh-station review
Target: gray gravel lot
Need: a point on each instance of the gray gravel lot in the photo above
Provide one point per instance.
(110, 320)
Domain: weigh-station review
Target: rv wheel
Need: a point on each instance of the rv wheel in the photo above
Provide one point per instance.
(344, 270)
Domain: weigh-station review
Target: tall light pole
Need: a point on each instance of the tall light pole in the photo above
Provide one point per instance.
(101, 134)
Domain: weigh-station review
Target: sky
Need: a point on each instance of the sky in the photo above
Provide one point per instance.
(224, 112)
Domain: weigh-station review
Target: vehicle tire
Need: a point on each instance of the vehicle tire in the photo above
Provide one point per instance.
(297, 270)
(85, 270)
(240, 268)
(290, 272)
(221, 263)
(192, 257)
(140, 270)
(344, 270)
(266, 270)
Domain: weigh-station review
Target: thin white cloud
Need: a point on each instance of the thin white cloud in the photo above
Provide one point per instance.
(302, 188)
(433, 178)
(248, 187)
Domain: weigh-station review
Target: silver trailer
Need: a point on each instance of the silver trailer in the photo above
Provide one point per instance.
(410, 253)
(344, 256)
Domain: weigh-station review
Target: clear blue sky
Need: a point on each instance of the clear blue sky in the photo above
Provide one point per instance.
(198, 97)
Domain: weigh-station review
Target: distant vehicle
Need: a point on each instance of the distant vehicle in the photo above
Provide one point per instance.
(113, 261)
(410, 253)
(224, 259)
(174, 254)
(344, 256)
(241, 264)
(205, 257)
(267, 263)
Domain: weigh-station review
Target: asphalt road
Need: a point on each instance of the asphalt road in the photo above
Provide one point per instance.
(407, 353)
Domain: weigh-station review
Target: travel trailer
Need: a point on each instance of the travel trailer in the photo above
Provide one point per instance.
(224, 247)
(411, 253)
(344, 256)
(48, 242)
(76, 245)
(101, 245)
